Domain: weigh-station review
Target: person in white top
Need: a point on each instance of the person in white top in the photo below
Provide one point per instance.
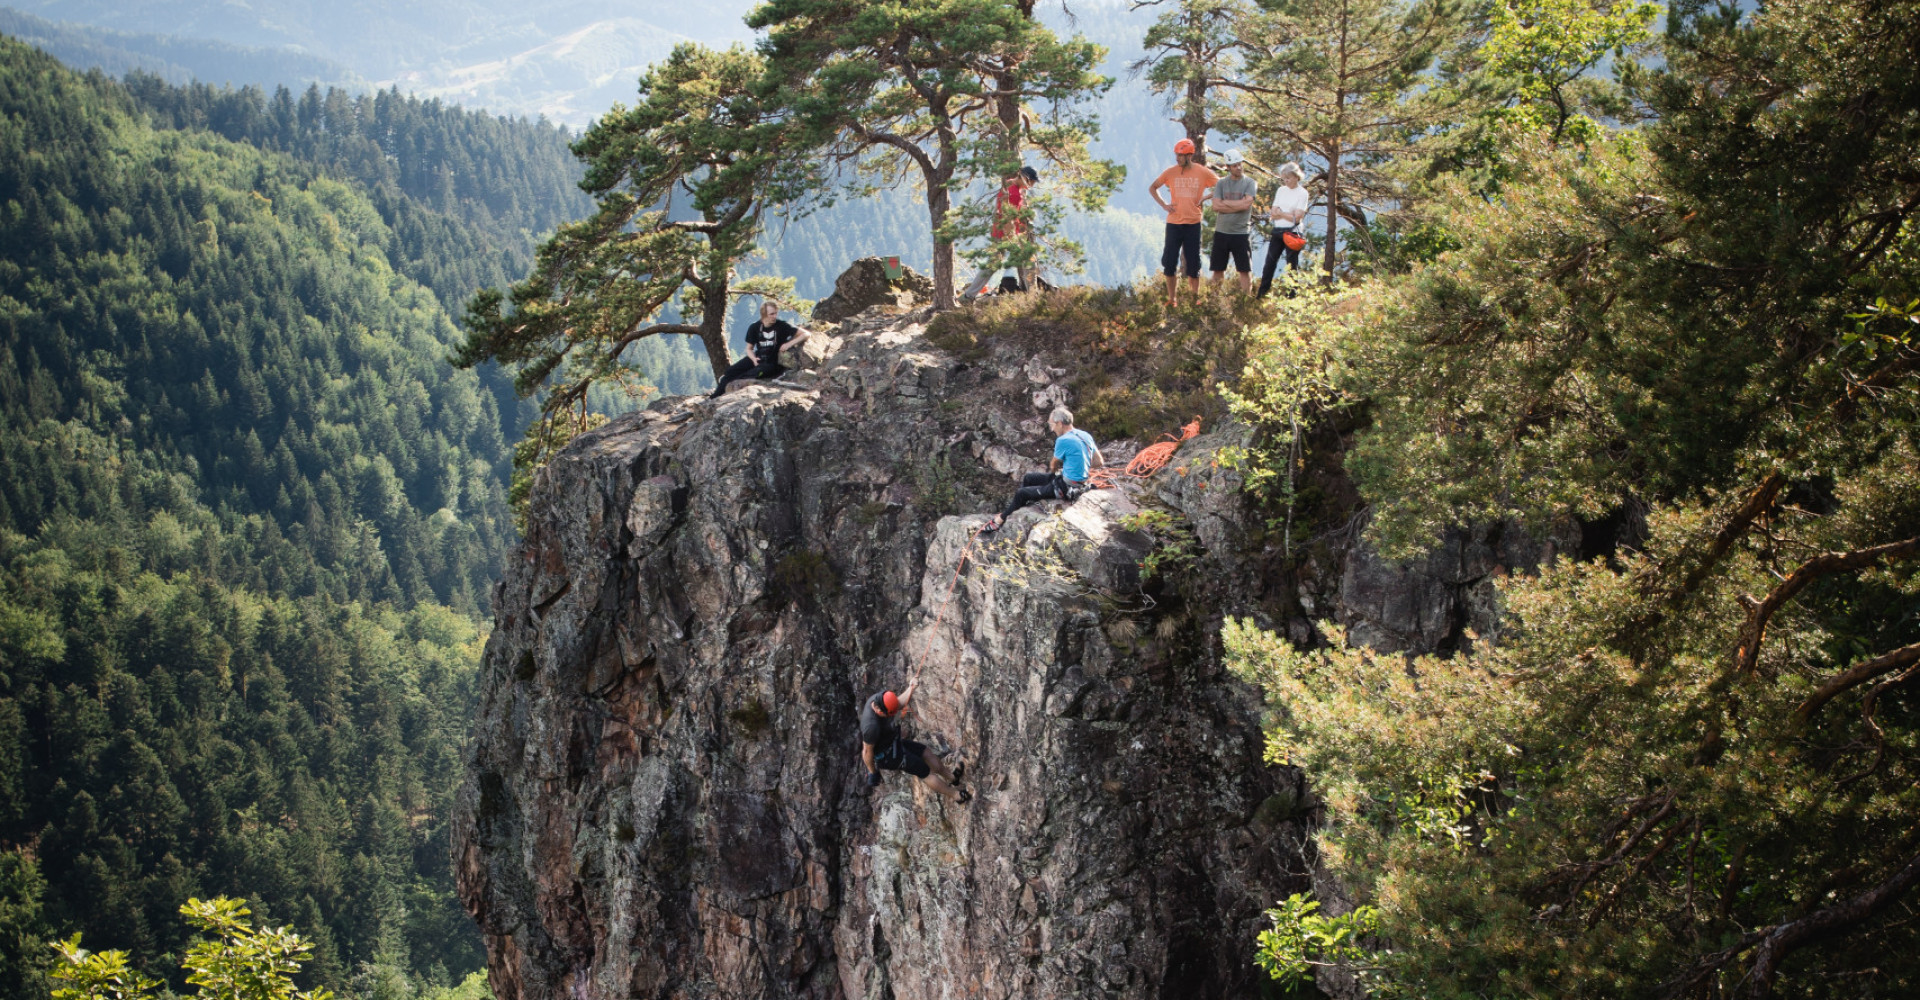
(1290, 204)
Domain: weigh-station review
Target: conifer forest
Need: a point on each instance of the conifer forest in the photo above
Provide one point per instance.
(300, 307)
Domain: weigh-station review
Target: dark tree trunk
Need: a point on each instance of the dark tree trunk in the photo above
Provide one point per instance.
(939, 201)
(714, 303)
(1333, 206)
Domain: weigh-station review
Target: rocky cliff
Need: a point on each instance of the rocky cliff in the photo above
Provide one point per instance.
(664, 795)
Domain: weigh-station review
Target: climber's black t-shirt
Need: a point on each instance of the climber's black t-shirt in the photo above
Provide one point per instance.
(877, 729)
(763, 341)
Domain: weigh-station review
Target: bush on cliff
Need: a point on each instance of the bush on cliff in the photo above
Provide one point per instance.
(1688, 766)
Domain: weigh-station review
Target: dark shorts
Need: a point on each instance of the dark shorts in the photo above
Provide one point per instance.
(1181, 240)
(904, 755)
(1238, 246)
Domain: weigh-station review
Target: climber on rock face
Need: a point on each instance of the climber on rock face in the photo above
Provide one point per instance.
(882, 748)
(1074, 456)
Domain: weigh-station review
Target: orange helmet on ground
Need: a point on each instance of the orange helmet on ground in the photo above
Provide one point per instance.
(1183, 147)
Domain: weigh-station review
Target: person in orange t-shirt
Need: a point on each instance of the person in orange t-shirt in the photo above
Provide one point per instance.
(1188, 185)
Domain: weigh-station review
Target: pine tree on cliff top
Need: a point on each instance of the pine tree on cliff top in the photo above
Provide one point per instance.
(947, 93)
(683, 180)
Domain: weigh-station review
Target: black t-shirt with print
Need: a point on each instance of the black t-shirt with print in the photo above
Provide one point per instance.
(877, 729)
(764, 340)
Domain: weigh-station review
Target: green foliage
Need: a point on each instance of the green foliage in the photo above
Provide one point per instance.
(937, 491)
(1548, 48)
(1291, 383)
(237, 962)
(943, 93)
(23, 923)
(701, 131)
(1302, 939)
(1174, 543)
(249, 522)
(99, 975)
(1686, 764)
(1191, 52)
(462, 193)
(188, 322)
(1346, 83)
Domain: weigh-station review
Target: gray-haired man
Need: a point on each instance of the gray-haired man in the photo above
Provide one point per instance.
(1074, 456)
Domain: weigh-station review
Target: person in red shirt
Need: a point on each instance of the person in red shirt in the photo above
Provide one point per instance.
(1188, 185)
(1007, 223)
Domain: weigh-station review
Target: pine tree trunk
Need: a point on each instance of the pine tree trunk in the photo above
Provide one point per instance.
(1194, 116)
(938, 202)
(714, 300)
(1333, 206)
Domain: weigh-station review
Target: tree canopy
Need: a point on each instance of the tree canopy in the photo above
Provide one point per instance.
(1685, 766)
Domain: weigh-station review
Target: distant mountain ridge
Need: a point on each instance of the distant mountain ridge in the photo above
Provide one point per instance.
(175, 59)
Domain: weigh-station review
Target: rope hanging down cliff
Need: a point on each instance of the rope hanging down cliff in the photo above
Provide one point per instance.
(1144, 465)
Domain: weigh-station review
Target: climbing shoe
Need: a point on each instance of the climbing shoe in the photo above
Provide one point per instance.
(959, 772)
(965, 797)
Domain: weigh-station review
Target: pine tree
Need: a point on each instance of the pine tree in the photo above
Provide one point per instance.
(1344, 82)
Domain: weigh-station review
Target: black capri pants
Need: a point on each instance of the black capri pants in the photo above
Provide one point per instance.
(1274, 249)
(1181, 239)
(748, 368)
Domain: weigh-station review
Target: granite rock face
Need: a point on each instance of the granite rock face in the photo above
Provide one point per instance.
(664, 797)
(865, 284)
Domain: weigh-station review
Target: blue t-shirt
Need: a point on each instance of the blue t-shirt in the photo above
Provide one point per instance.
(1075, 451)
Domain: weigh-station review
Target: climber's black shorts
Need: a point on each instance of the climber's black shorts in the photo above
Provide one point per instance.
(904, 755)
(1237, 247)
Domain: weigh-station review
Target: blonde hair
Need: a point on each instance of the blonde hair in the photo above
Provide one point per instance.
(775, 303)
(1294, 169)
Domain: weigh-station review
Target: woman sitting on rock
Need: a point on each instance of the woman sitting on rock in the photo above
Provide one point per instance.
(765, 337)
(882, 748)
(1074, 454)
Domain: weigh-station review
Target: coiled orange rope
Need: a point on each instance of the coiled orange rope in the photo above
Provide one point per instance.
(1151, 459)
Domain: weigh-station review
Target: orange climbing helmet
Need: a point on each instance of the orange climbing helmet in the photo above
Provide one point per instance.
(1183, 147)
(889, 703)
(1293, 240)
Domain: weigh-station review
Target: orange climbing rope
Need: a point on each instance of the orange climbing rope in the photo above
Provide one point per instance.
(1150, 460)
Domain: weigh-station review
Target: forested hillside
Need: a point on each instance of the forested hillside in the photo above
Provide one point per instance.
(250, 521)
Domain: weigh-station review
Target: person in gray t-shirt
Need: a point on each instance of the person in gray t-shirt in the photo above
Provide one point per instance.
(1233, 201)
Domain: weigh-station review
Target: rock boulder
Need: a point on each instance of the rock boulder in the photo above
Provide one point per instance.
(865, 284)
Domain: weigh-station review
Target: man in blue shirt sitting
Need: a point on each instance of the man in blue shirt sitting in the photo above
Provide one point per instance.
(1074, 455)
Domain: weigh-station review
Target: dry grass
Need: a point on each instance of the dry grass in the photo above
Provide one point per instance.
(1137, 371)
